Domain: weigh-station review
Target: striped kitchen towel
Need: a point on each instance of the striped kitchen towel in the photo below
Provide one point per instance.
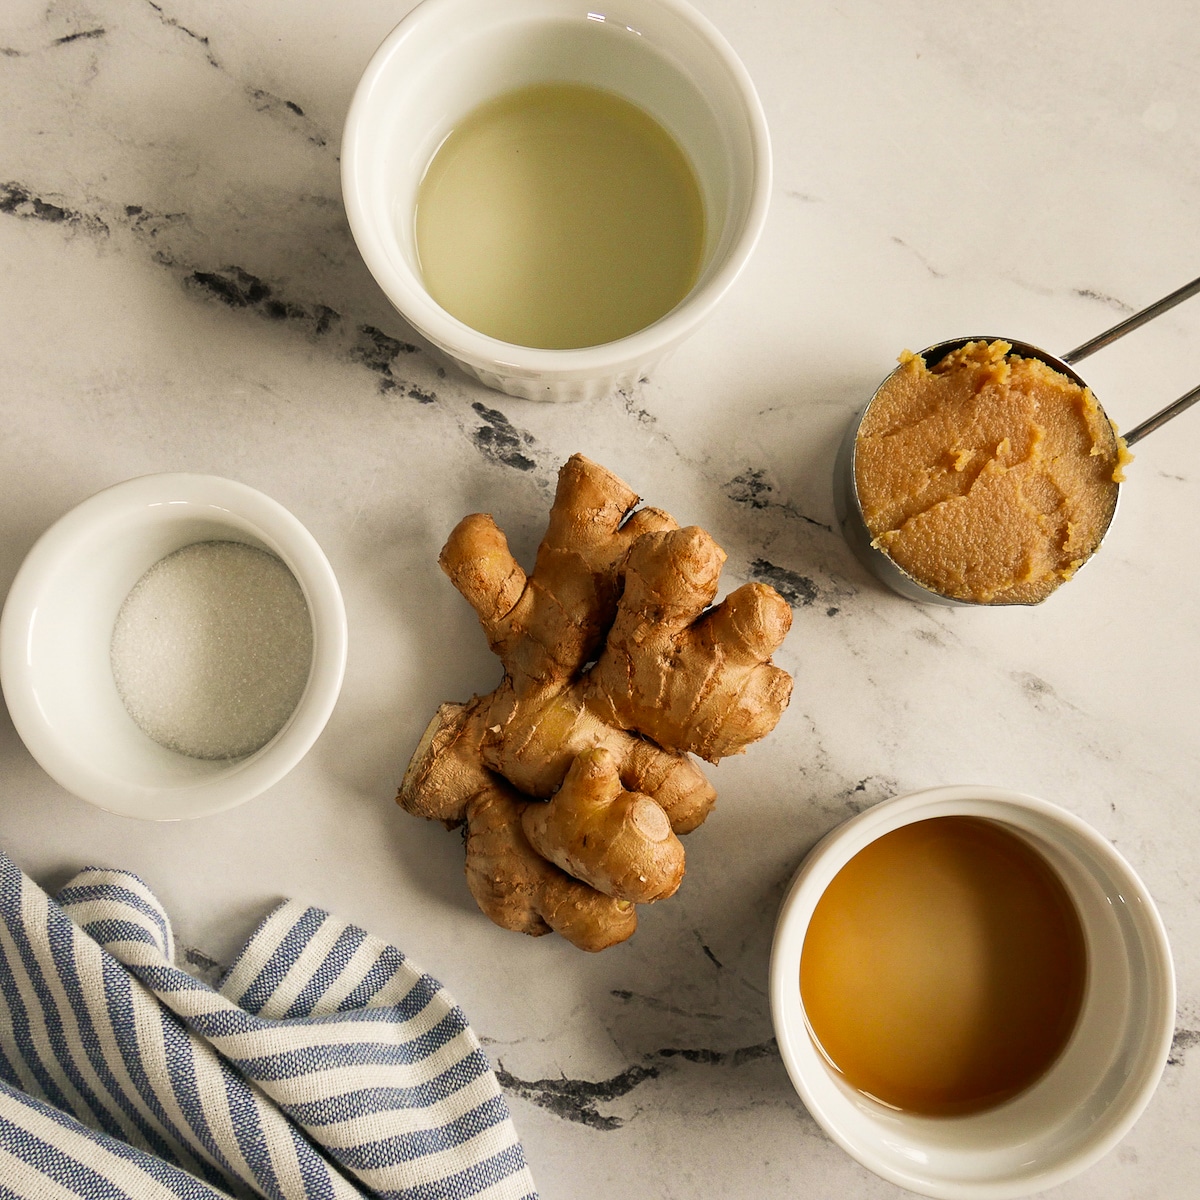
(327, 1065)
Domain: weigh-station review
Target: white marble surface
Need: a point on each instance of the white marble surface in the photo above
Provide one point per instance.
(178, 291)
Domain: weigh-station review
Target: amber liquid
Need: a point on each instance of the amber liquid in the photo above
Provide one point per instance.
(559, 216)
(944, 967)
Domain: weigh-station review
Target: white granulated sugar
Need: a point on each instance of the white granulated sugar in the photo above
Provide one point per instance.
(211, 649)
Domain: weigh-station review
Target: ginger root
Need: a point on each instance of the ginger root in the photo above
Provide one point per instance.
(620, 842)
(520, 890)
(574, 775)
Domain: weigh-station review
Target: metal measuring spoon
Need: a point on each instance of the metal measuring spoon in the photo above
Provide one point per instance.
(848, 506)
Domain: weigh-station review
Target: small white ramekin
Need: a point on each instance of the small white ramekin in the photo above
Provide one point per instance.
(1094, 1091)
(56, 633)
(449, 56)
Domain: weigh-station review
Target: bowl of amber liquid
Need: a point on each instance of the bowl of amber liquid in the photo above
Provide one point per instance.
(972, 992)
(553, 194)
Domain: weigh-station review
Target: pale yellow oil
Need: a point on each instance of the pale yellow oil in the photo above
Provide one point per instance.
(559, 216)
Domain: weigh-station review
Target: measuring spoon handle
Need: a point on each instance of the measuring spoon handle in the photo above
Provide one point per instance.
(1150, 424)
(1130, 323)
(1120, 330)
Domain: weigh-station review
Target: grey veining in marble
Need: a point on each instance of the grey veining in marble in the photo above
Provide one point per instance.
(179, 291)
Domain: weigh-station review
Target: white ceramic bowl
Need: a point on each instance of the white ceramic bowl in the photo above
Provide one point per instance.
(57, 626)
(449, 56)
(1097, 1087)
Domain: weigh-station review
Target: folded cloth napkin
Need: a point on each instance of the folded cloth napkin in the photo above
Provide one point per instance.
(327, 1065)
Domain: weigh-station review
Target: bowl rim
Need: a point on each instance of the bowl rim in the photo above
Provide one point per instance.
(405, 291)
(837, 847)
(244, 778)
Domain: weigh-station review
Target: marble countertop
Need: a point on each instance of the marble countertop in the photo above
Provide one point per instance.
(179, 291)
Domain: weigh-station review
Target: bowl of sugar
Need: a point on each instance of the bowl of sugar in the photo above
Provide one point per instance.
(172, 646)
(972, 992)
(554, 194)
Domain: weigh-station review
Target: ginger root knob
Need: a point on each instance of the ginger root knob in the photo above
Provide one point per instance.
(618, 841)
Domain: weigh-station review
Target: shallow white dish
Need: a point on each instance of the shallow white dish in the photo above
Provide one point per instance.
(1091, 1095)
(56, 632)
(447, 57)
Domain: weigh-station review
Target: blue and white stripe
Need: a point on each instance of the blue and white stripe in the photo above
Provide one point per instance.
(326, 1066)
